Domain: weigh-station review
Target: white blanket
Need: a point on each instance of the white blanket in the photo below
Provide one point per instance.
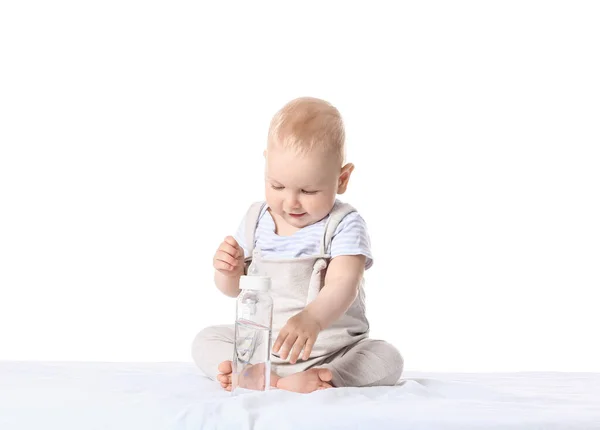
(78, 396)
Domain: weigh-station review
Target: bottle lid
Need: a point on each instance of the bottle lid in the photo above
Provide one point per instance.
(257, 283)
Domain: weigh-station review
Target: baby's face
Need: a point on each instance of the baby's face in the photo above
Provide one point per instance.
(301, 189)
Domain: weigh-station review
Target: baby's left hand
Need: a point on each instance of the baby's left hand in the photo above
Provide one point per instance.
(301, 331)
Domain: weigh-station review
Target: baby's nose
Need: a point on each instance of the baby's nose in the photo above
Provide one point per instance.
(293, 202)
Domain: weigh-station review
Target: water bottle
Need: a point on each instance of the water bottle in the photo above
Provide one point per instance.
(252, 341)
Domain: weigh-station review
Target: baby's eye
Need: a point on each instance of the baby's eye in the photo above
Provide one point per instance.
(275, 187)
(309, 192)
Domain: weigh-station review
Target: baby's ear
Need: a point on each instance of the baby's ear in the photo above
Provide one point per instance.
(345, 178)
(265, 153)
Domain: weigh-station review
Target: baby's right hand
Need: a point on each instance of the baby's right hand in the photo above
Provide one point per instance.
(229, 258)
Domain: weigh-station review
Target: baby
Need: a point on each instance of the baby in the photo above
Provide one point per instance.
(315, 249)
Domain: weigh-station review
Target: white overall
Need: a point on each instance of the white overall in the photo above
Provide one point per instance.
(344, 347)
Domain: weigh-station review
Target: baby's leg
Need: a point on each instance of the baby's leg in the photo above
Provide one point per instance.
(368, 363)
(211, 347)
(212, 351)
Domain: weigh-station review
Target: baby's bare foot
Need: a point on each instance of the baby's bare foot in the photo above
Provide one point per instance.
(225, 376)
(251, 378)
(306, 382)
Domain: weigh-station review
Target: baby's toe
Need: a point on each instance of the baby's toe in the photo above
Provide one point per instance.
(225, 367)
(224, 378)
(324, 384)
(325, 375)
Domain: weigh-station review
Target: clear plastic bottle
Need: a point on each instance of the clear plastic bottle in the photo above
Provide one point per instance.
(252, 342)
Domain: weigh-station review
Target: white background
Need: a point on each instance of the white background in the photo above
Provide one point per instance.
(131, 141)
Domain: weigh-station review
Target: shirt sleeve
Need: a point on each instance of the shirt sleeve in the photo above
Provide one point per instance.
(352, 238)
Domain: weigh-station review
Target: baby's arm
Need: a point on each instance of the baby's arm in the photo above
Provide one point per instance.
(337, 295)
(229, 262)
(341, 287)
(229, 267)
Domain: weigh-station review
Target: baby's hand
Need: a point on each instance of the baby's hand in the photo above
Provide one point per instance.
(229, 258)
(301, 331)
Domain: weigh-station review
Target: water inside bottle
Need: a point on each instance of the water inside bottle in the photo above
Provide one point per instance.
(252, 364)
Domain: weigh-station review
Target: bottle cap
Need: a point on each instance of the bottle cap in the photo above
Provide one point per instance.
(257, 283)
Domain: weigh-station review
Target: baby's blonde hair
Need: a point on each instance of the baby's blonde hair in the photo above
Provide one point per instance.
(306, 124)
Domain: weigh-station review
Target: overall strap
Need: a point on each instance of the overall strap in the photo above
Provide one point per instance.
(252, 218)
(316, 280)
(335, 217)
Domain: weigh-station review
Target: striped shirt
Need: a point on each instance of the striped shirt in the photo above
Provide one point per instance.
(350, 238)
